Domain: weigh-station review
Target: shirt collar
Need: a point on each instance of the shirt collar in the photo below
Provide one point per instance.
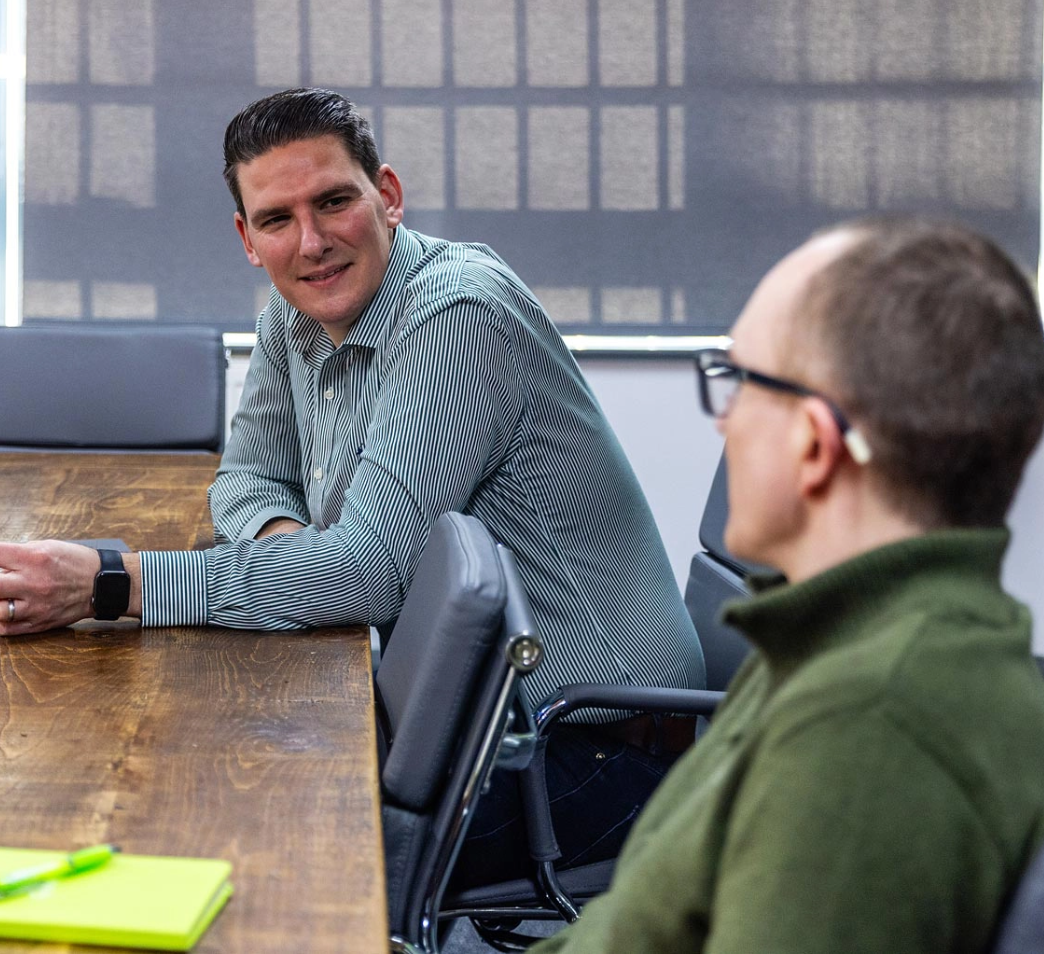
(790, 622)
(404, 254)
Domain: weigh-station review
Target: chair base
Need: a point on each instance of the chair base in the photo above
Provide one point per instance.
(523, 898)
(496, 910)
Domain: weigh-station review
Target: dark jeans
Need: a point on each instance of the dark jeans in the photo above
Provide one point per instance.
(597, 786)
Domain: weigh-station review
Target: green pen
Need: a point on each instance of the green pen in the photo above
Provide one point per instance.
(76, 861)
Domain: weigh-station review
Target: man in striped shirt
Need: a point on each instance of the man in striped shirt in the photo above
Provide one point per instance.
(396, 377)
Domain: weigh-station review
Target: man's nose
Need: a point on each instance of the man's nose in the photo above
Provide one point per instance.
(314, 243)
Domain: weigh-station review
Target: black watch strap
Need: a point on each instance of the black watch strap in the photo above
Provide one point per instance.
(112, 587)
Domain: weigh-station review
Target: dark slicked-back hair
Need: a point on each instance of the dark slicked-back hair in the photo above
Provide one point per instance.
(290, 116)
(934, 343)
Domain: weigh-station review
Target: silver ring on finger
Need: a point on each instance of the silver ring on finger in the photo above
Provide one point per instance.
(10, 611)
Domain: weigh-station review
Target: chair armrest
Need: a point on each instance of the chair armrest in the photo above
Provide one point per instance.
(540, 833)
(570, 698)
(625, 699)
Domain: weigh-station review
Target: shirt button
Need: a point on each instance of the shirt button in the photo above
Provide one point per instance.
(318, 473)
(328, 394)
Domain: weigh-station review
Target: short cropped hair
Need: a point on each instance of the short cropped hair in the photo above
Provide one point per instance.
(934, 343)
(290, 116)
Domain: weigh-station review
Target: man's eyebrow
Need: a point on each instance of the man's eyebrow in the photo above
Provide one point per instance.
(259, 215)
(345, 188)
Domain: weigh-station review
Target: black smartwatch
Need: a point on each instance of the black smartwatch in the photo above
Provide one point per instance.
(112, 587)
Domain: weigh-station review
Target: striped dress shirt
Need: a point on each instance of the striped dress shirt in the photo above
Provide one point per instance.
(452, 391)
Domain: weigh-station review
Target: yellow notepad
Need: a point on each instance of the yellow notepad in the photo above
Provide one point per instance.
(143, 901)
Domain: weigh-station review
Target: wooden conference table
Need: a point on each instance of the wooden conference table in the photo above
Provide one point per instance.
(250, 746)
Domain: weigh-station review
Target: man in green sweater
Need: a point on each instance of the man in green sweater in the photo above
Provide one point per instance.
(875, 780)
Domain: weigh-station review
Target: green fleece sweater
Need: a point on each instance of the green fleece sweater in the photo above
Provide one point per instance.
(874, 782)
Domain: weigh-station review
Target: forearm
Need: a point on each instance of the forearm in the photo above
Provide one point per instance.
(277, 526)
(288, 581)
(132, 564)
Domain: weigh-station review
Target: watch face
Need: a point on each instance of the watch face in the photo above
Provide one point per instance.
(111, 594)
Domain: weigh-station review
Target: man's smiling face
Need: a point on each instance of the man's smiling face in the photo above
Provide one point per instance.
(320, 227)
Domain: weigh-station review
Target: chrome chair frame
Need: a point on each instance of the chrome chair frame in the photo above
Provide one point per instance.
(552, 894)
(494, 746)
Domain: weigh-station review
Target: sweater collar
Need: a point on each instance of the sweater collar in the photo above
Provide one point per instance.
(956, 568)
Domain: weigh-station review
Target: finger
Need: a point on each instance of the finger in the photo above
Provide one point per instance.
(27, 621)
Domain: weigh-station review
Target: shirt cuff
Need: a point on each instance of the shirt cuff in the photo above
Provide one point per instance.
(174, 588)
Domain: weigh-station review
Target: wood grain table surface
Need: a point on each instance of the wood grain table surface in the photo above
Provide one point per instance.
(256, 747)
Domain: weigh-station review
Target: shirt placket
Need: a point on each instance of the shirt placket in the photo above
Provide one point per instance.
(330, 384)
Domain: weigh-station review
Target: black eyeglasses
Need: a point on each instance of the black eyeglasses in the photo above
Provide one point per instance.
(720, 379)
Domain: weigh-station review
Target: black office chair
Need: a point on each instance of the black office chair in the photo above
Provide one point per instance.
(715, 576)
(112, 386)
(447, 695)
(1022, 928)
(550, 894)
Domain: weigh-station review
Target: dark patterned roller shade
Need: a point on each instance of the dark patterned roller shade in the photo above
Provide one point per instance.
(639, 162)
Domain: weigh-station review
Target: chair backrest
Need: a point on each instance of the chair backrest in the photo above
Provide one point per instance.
(446, 692)
(712, 524)
(1022, 929)
(715, 575)
(112, 386)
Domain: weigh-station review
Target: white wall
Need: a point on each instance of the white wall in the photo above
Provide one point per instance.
(674, 450)
(236, 372)
(1024, 567)
(673, 447)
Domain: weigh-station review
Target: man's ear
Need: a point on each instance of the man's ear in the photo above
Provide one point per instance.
(248, 246)
(390, 188)
(822, 449)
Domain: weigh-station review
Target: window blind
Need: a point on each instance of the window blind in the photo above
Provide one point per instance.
(640, 163)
